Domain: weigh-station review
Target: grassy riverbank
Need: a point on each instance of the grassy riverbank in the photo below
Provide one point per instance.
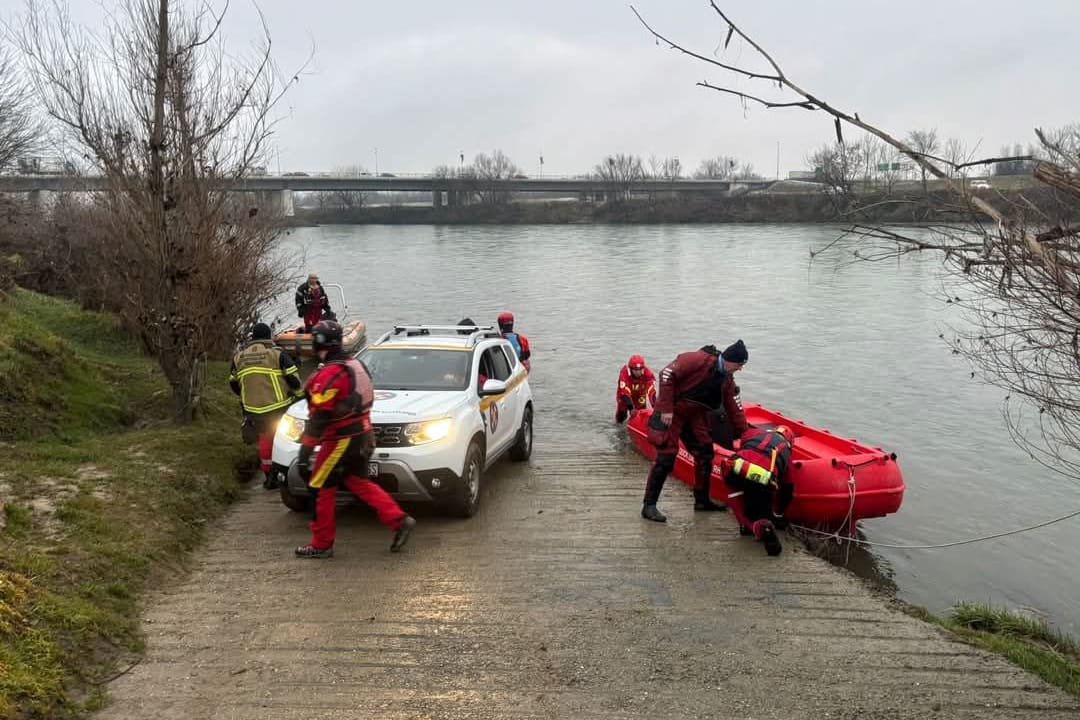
(1026, 641)
(102, 498)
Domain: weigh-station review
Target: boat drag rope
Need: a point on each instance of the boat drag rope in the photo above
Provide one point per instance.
(856, 541)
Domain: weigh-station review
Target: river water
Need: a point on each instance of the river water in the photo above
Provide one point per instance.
(853, 347)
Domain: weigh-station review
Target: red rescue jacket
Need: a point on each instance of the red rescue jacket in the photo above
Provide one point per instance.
(640, 391)
(766, 449)
(340, 396)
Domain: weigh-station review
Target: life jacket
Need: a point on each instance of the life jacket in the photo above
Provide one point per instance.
(512, 338)
(762, 457)
(262, 383)
(350, 414)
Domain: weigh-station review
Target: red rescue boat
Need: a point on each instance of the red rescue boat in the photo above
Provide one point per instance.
(838, 481)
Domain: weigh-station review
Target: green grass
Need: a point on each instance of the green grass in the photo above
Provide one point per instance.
(102, 495)
(1025, 641)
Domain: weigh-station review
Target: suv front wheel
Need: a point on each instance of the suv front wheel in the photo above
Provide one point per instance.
(466, 498)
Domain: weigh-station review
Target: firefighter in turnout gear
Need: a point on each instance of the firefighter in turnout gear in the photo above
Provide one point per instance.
(694, 388)
(756, 473)
(637, 388)
(340, 395)
(267, 381)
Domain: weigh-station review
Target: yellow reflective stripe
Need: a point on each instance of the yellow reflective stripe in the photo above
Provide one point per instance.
(266, 408)
(327, 465)
(320, 398)
(485, 403)
(292, 370)
(274, 372)
(752, 472)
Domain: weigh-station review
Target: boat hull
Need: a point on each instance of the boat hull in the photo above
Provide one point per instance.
(296, 342)
(838, 481)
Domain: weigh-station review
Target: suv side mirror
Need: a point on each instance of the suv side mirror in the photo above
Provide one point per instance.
(493, 387)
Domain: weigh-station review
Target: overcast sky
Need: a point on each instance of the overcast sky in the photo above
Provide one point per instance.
(578, 79)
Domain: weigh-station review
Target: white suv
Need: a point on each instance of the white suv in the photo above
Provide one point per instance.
(436, 427)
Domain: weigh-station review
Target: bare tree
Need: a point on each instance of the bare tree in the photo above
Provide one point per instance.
(343, 199)
(168, 116)
(620, 172)
(956, 153)
(924, 142)
(489, 174)
(1017, 262)
(20, 132)
(721, 167)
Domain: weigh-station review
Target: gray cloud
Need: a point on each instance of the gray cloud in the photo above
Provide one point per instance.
(422, 81)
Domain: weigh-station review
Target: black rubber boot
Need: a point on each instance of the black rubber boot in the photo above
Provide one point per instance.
(401, 535)
(769, 538)
(649, 512)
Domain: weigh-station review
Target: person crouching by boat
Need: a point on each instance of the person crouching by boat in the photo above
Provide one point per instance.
(311, 302)
(692, 387)
(519, 341)
(340, 395)
(637, 388)
(267, 380)
(756, 472)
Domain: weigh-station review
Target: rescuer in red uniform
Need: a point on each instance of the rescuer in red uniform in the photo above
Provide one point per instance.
(519, 341)
(757, 471)
(696, 388)
(340, 396)
(637, 388)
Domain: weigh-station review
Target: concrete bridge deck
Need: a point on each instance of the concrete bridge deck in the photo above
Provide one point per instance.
(271, 183)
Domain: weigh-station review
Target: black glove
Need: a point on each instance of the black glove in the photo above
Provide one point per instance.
(303, 462)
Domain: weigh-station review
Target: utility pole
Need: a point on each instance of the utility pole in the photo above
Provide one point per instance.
(777, 159)
(541, 164)
(376, 162)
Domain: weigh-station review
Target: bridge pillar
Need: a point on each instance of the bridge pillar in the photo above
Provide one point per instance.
(437, 199)
(33, 200)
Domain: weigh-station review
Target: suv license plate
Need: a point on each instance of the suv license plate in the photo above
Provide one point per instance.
(373, 470)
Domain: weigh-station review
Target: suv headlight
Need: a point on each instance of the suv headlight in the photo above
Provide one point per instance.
(429, 431)
(291, 427)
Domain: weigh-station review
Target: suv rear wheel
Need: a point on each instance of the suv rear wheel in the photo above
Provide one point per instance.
(466, 498)
(296, 503)
(522, 449)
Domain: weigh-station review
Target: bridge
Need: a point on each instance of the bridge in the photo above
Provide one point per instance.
(410, 183)
(277, 189)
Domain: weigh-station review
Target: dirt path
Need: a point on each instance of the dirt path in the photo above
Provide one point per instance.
(556, 601)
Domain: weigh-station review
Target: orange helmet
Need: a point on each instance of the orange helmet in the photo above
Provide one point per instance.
(787, 432)
(636, 362)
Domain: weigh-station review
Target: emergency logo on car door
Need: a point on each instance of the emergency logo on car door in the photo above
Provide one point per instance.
(493, 417)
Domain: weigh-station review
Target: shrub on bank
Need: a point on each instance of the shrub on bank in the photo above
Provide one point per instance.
(102, 496)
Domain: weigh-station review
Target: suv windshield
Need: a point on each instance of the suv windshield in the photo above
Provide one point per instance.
(410, 368)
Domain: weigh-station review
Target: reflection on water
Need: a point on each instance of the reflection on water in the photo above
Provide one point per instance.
(850, 347)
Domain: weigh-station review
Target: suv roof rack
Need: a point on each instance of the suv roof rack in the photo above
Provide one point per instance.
(476, 333)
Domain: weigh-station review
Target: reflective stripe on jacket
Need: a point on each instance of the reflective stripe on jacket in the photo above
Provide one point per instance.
(263, 387)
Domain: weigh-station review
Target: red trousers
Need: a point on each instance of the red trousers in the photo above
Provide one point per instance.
(344, 462)
(266, 450)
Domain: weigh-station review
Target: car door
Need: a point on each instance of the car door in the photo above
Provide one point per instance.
(515, 404)
(496, 409)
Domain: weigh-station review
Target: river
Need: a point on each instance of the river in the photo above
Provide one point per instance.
(853, 347)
